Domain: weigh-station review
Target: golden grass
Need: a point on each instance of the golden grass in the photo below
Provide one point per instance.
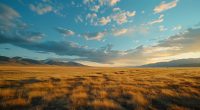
(87, 88)
(16, 102)
(105, 105)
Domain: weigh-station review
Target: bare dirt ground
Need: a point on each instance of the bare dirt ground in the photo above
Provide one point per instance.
(87, 88)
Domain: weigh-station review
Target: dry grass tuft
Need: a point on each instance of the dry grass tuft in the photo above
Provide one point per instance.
(105, 105)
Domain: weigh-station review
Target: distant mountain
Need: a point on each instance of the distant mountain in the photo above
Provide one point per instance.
(191, 62)
(54, 62)
(25, 61)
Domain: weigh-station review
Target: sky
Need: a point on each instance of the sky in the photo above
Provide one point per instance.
(100, 32)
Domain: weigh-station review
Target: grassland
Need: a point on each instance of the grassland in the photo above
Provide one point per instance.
(87, 88)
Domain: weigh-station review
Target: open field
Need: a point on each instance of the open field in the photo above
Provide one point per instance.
(87, 88)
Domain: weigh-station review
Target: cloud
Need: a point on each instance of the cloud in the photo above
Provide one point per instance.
(92, 17)
(78, 19)
(65, 32)
(178, 27)
(100, 3)
(104, 20)
(41, 8)
(122, 16)
(113, 2)
(162, 28)
(7, 13)
(94, 36)
(9, 18)
(159, 20)
(95, 8)
(62, 48)
(87, 1)
(116, 9)
(108, 2)
(131, 14)
(118, 16)
(177, 45)
(120, 32)
(165, 6)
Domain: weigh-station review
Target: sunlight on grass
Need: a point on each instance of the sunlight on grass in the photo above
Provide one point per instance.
(90, 89)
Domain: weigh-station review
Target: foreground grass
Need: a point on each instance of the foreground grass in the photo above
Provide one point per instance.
(72, 88)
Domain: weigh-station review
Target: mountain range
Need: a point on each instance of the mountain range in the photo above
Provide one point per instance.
(25, 61)
(191, 62)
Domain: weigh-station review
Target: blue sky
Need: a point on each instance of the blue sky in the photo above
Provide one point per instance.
(100, 32)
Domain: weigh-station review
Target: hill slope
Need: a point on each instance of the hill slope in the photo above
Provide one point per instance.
(191, 62)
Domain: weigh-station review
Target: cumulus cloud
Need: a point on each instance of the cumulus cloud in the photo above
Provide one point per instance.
(41, 8)
(102, 2)
(165, 6)
(65, 32)
(95, 8)
(113, 2)
(119, 17)
(122, 16)
(108, 2)
(120, 32)
(94, 36)
(104, 20)
(159, 20)
(130, 14)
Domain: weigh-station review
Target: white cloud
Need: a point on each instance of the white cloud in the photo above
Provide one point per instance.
(94, 36)
(41, 8)
(122, 16)
(91, 16)
(108, 2)
(113, 2)
(159, 20)
(78, 19)
(162, 28)
(120, 32)
(116, 9)
(104, 20)
(87, 1)
(65, 32)
(95, 8)
(165, 6)
(178, 27)
(131, 14)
